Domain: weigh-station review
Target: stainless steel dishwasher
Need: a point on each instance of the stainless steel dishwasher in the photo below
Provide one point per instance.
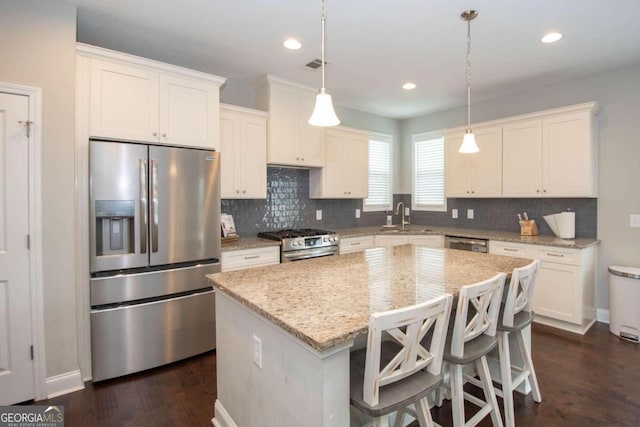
(466, 244)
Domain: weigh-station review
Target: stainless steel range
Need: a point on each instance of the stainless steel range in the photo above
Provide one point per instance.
(304, 243)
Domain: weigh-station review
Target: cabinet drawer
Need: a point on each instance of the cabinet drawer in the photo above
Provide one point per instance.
(428, 241)
(558, 255)
(247, 258)
(385, 241)
(355, 244)
(511, 249)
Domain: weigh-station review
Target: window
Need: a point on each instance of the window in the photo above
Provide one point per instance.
(380, 185)
(428, 172)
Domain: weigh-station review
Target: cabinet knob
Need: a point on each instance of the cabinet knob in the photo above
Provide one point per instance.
(537, 191)
(302, 158)
(154, 133)
(164, 134)
(544, 191)
(473, 192)
(467, 191)
(244, 191)
(237, 191)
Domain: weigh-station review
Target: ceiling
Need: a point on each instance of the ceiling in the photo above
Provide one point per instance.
(372, 51)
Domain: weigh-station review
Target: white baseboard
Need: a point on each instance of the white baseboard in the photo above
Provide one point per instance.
(602, 315)
(64, 383)
(222, 417)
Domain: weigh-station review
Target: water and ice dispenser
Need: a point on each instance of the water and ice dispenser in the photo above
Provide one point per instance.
(114, 227)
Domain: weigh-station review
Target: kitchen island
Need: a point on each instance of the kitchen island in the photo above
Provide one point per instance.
(284, 332)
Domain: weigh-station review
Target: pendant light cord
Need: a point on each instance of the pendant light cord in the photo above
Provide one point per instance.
(322, 45)
(468, 75)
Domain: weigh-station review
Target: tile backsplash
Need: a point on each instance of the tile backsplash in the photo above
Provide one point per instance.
(288, 206)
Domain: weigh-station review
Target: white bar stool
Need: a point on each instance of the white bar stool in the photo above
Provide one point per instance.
(400, 370)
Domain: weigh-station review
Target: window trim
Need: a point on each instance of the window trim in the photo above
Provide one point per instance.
(425, 136)
(380, 208)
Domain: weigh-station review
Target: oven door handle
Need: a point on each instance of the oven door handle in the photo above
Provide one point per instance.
(308, 253)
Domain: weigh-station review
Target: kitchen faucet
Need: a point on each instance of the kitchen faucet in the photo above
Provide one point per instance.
(401, 212)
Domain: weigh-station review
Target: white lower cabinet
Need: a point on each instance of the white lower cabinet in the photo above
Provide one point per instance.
(247, 258)
(356, 244)
(564, 295)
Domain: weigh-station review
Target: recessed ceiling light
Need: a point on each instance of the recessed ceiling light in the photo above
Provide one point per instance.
(551, 37)
(409, 86)
(292, 44)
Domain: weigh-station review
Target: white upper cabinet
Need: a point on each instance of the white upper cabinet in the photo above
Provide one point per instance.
(243, 148)
(478, 174)
(553, 155)
(345, 175)
(136, 99)
(291, 141)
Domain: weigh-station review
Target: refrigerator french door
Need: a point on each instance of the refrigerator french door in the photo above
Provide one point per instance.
(154, 232)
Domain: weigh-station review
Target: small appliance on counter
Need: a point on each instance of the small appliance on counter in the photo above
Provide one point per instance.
(562, 224)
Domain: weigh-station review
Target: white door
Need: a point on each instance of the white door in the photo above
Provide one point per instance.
(16, 365)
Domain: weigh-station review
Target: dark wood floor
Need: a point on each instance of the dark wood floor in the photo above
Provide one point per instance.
(590, 380)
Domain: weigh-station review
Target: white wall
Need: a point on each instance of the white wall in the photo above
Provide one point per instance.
(618, 94)
(37, 46)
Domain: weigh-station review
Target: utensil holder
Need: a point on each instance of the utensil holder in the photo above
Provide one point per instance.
(528, 228)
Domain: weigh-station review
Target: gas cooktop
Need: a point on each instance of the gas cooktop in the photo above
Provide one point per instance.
(291, 233)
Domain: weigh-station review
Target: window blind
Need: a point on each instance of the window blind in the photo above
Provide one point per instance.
(380, 193)
(428, 169)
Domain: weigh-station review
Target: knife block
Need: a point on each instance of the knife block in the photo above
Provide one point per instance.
(528, 228)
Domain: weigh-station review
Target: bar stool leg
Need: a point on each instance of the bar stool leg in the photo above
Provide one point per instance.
(424, 413)
(382, 421)
(489, 393)
(507, 380)
(457, 395)
(528, 365)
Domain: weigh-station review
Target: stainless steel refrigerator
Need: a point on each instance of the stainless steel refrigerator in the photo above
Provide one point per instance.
(154, 235)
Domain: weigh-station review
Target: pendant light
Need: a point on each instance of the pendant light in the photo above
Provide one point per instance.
(469, 141)
(323, 113)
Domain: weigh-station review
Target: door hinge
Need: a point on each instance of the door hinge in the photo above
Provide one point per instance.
(29, 241)
(31, 352)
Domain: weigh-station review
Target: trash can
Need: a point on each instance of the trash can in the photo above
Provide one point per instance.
(624, 299)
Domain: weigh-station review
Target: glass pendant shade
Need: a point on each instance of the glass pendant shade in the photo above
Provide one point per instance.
(323, 113)
(469, 143)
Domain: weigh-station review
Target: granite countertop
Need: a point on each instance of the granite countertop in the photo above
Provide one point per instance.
(578, 243)
(327, 301)
(248, 243)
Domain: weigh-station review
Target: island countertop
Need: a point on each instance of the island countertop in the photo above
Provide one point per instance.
(327, 301)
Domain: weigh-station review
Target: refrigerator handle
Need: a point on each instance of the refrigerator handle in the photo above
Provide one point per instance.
(143, 206)
(154, 205)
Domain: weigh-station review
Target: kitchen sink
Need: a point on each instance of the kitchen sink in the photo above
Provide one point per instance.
(405, 231)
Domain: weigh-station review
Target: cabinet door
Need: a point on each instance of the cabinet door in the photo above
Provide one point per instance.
(332, 183)
(188, 112)
(428, 241)
(457, 167)
(229, 154)
(356, 166)
(253, 157)
(283, 125)
(568, 156)
(486, 173)
(310, 143)
(124, 102)
(557, 292)
(522, 159)
(387, 241)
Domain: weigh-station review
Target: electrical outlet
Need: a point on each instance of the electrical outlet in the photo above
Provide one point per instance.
(318, 215)
(469, 213)
(634, 220)
(257, 351)
(407, 211)
(454, 213)
(357, 213)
